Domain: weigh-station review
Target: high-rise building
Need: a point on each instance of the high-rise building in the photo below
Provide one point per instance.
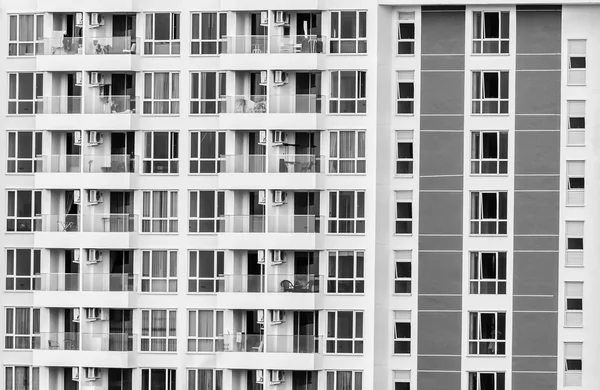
(298, 195)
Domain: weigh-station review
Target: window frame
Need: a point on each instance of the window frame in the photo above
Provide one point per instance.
(331, 379)
(174, 41)
(12, 156)
(575, 183)
(479, 163)
(574, 295)
(151, 164)
(31, 378)
(500, 224)
(403, 225)
(36, 103)
(477, 279)
(406, 18)
(475, 376)
(197, 102)
(574, 256)
(581, 55)
(152, 105)
(12, 217)
(32, 336)
(359, 101)
(170, 378)
(405, 137)
(220, 41)
(576, 358)
(496, 344)
(216, 339)
(194, 381)
(336, 40)
(478, 99)
(168, 223)
(356, 281)
(358, 162)
(37, 44)
(402, 257)
(195, 207)
(12, 261)
(146, 335)
(502, 41)
(148, 280)
(356, 342)
(576, 110)
(197, 161)
(405, 78)
(357, 222)
(195, 279)
(400, 343)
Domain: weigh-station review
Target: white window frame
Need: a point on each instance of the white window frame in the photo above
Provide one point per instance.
(402, 257)
(196, 41)
(36, 45)
(576, 183)
(576, 49)
(401, 379)
(170, 373)
(405, 79)
(574, 231)
(37, 102)
(151, 283)
(12, 260)
(357, 222)
(194, 275)
(152, 105)
(13, 157)
(358, 162)
(197, 160)
(174, 42)
(478, 221)
(194, 382)
(198, 104)
(360, 42)
(359, 99)
(402, 317)
(479, 42)
(406, 18)
(167, 223)
(499, 380)
(31, 378)
(478, 103)
(401, 222)
(151, 164)
(170, 337)
(574, 298)
(356, 342)
(492, 345)
(218, 221)
(405, 137)
(35, 220)
(575, 114)
(573, 356)
(479, 162)
(31, 338)
(357, 280)
(332, 378)
(478, 281)
(195, 342)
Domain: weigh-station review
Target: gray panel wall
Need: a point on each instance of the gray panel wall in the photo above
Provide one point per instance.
(440, 197)
(536, 218)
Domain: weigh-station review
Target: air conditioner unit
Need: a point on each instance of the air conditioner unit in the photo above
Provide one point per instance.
(279, 137)
(96, 20)
(262, 137)
(264, 18)
(75, 373)
(279, 198)
(77, 137)
(282, 18)
(262, 197)
(259, 376)
(277, 377)
(93, 314)
(78, 78)
(261, 257)
(277, 317)
(260, 316)
(79, 19)
(96, 79)
(95, 138)
(280, 78)
(77, 196)
(76, 315)
(278, 257)
(263, 77)
(94, 256)
(77, 256)
(94, 197)
(92, 373)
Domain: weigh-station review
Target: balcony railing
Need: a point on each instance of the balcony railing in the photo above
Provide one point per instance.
(113, 104)
(296, 163)
(60, 105)
(109, 282)
(297, 44)
(61, 45)
(113, 223)
(293, 283)
(244, 223)
(242, 343)
(111, 45)
(245, 104)
(61, 163)
(294, 223)
(270, 343)
(57, 282)
(243, 163)
(118, 342)
(296, 104)
(59, 223)
(59, 341)
(242, 283)
(247, 44)
(114, 163)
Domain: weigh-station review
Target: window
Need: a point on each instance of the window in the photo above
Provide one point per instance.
(490, 32)
(401, 379)
(159, 331)
(574, 304)
(24, 151)
(199, 379)
(486, 381)
(159, 379)
(209, 33)
(402, 332)
(575, 183)
(161, 93)
(24, 211)
(347, 151)
(162, 34)
(22, 378)
(573, 364)
(208, 92)
(574, 231)
(576, 125)
(159, 271)
(487, 333)
(489, 152)
(206, 270)
(403, 272)
(405, 94)
(159, 214)
(344, 332)
(207, 150)
(348, 92)
(489, 212)
(488, 273)
(404, 212)
(404, 152)
(26, 35)
(346, 272)
(22, 328)
(490, 92)
(344, 380)
(346, 212)
(348, 32)
(577, 63)
(207, 211)
(161, 154)
(22, 269)
(406, 33)
(25, 93)
(205, 331)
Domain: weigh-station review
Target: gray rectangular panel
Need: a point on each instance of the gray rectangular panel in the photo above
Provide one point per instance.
(538, 303)
(446, 62)
(447, 183)
(440, 213)
(538, 92)
(534, 364)
(537, 152)
(535, 273)
(536, 243)
(443, 32)
(538, 62)
(441, 363)
(539, 32)
(440, 273)
(442, 122)
(534, 381)
(535, 334)
(537, 212)
(442, 93)
(439, 333)
(537, 183)
(440, 302)
(440, 243)
(441, 153)
(432, 380)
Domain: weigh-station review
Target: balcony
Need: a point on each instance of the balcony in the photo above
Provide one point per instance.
(112, 282)
(298, 44)
(57, 282)
(111, 46)
(109, 223)
(111, 105)
(296, 104)
(255, 343)
(247, 44)
(59, 341)
(105, 342)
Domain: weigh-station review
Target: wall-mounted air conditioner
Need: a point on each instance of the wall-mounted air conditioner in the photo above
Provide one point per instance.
(77, 256)
(264, 18)
(95, 138)
(75, 373)
(77, 196)
(277, 317)
(77, 137)
(263, 77)
(279, 137)
(260, 316)
(94, 256)
(259, 376)
(277, 377)
(79, 19)
(92, 373)
(281, 78)
(78, 78)
(94, 197)
(262, 137)
(279, 198)
(278, 257)
(94, 314)
(96, 20)
(76, 315)
(262, 197)
(96, 79)
(282, 18)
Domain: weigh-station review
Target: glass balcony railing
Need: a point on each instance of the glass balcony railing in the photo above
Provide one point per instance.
(241, 283)
(59, 341)
(295, 44)
(60, 105)
(109, 223)
(292, 343)
(118, 342)
(296, 104)
(61, 45)
(57, 282)
(245, 104)
(58, 223)
(111, 45)
(294, 223)
(241, 343)
(109, 282)
(60, 163)
(296, 163)
(244, 223)
(247, 44)
(111, 105)
(243, 163)
(114, 163)
(293, 283)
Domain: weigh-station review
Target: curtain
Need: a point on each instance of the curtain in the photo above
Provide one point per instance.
(333, 148)
(344, 380)
(159, 210)
(172, 341)
(330, 380)
(21, 378)
(159, 271)
(161, 93)
(205, 380)
(205, 330)
(22, 322)
(173, 271)
(26, 28)
(158, 329)
(347, 151)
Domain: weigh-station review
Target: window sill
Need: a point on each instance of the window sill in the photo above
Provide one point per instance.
(157, 233)
(160, 115)
(406, 55)
(575, 145)
(402, 294)
(204, 174)
(174, 353)
(492, 114)
(573, 266)
(328, 294)
(25, 115)
(489, 175)
(205, 115)
(488, 235)
(574, 205)
(160, 55)
(490, 54)
(347, 113)
(485, 356)
(204, 293)
(576, 85)
(156, 293)
(348, 54)
(206, 55)
(343, 353)
(405, 115)
(202, 233)
(159, 174)
(403, 234)
(573, 326)
(346, 174)
(345, 234)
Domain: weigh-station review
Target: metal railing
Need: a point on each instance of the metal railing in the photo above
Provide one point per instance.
(60, 105)
(60, 163)
(241, 283)
(114, 163)
(59, 223)
(118, 342)
(244, 223)
(247, 44)
(288, 223)
(243, 163)
(293, 283)
(296, 163)
(296, 104)
(57, 282)
(113, 104)
(113, 223)
(111, 45)
(59, 341)
(109, 282)
(245, 104)
(295, 44)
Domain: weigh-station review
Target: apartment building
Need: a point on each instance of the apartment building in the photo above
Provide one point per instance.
(326, 194)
